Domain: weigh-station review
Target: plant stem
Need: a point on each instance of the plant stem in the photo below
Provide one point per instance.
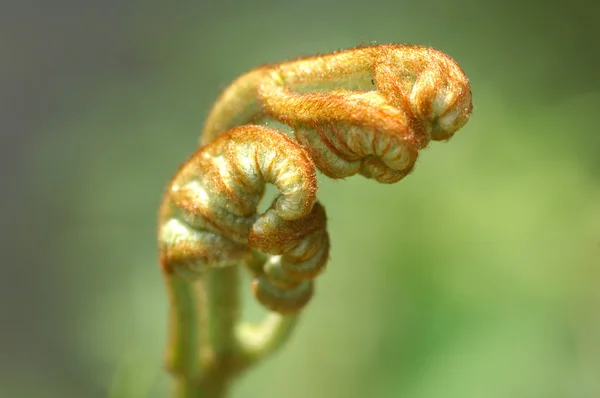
(222, 285)
(182, 356)
(260, 341)
(209, 346)
(203, 346)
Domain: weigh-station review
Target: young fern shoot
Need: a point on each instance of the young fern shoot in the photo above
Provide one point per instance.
(367, 110)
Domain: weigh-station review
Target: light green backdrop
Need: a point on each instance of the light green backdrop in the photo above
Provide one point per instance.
(477, 276)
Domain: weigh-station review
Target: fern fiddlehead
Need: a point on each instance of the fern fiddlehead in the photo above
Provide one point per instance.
(367, 110)
(212, 219)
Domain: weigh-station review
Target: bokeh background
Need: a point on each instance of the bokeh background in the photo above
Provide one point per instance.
(477, 276)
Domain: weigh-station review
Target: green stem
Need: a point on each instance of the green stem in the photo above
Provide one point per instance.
(203, 344)
(183, 349)
(209, 345)
(223, 299)
(186, 389)
(260, 341)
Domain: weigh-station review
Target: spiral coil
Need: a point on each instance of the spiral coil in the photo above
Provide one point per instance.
(213, 221)
(368, 110)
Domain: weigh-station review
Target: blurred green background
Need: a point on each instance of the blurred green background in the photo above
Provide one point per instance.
(477, 276)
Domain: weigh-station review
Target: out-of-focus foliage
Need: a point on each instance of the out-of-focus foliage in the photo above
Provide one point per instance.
(477, 276)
